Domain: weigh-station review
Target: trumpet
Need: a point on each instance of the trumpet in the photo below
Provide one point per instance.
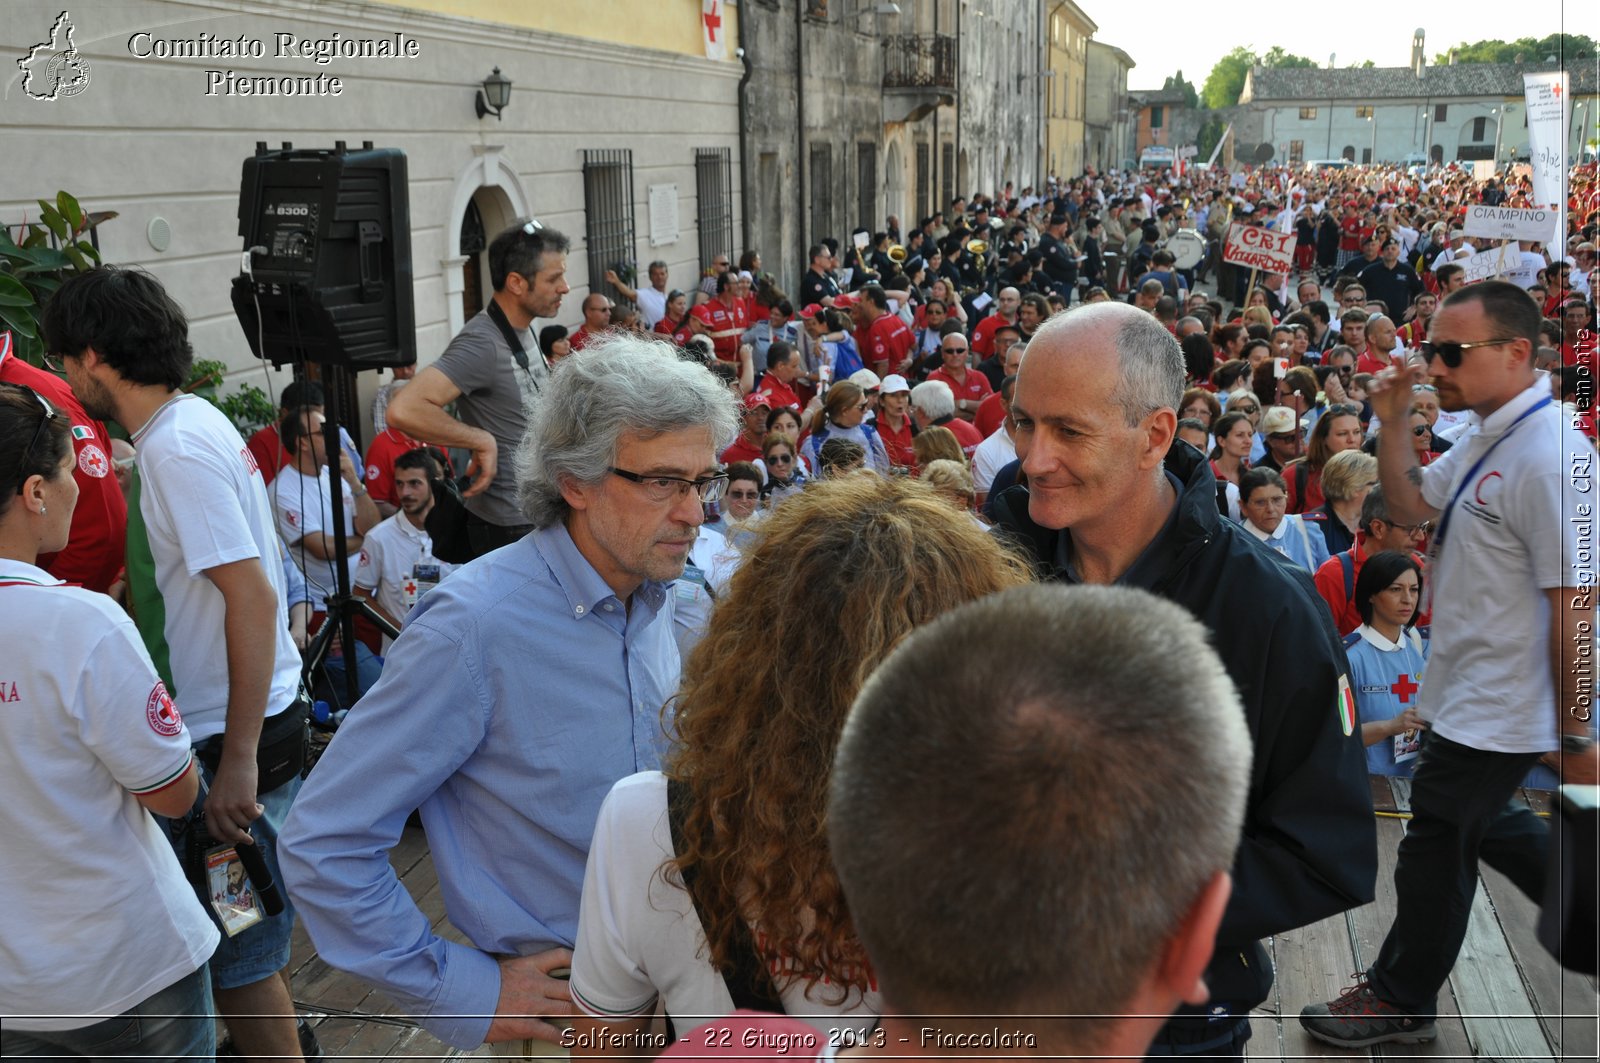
(897, 254)
(978, 247)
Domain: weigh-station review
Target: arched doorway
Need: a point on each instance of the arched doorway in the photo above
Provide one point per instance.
(487, 198)
(1349, 152)
(894, 174)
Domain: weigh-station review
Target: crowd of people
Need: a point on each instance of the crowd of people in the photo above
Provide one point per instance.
(680, 681)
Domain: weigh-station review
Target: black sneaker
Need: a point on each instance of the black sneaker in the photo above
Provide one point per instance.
(310, 1047)
(1358, 1019)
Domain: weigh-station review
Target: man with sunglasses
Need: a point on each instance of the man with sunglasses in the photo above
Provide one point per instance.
(1508, 678)
(494, 373)
(519, 691)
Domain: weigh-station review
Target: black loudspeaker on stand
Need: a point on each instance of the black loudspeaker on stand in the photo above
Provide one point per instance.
(327, 280)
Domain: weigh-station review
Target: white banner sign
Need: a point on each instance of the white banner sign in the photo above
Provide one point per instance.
(1510, 223)
(1546, 95)
(1492, 262)
(713, 24)
(1253, 247)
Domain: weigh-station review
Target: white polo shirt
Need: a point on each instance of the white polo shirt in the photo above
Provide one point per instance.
(95, 914)
(1512, 534)
(388, 566)
(705, 578)
(303, 506)
(204, 504)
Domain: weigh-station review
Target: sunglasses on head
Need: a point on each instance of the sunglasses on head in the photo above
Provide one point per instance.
(1450, 353)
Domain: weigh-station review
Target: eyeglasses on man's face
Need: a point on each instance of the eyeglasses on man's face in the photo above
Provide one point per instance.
(673, 488)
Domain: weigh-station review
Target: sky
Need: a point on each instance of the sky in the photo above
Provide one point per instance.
(1192, 36)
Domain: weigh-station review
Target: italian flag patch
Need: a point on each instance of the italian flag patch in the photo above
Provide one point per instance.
(1347, 706)
(82, 431)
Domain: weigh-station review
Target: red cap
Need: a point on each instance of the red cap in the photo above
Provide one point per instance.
(811, 310)
(757, 398)
(844, 302)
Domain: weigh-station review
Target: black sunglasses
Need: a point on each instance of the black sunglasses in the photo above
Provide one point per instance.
(1450, 353)
(1421, 430)
(50, 414)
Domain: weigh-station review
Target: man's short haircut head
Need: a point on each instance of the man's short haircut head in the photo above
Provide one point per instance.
(1506, 306)
(293, 428)
(778, 353)
(620, 383)
(1373, 322)
(302, 392)
(518, 251)
(874, 294)
(1445, 272)
(934, 398)
(1373, 507)
(1318, 309)
(1152, 287)
(1033, 899)
(128, 318)
(1354, 315)
(419, 458)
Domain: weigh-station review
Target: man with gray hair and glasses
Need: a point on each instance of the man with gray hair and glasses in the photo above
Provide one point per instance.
(1109, 500)
(519, 691)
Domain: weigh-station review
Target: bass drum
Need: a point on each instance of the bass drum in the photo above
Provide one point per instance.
(1188, 248)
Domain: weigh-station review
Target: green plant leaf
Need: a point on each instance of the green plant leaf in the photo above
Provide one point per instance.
(43, 285)
(96, 217)
(70, 210)
(89, 251)
(19, 321)
(54, 221)
(13, 292)
(37, 237)
(72, 252)
(41, 258)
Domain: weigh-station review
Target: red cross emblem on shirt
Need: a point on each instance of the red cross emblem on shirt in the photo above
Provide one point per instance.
(713, 22)
(1404, 687)
(409, 587)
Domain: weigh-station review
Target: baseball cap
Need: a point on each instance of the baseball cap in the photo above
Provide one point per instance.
(757, 398)
(1277, 419)
(866, 380)
(844, 302)
(893, 384)
(811, 310)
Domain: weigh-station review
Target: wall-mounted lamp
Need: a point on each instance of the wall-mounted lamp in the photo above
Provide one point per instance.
(494, 95)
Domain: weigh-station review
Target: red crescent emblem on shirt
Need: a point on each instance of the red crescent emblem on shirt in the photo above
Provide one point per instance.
(1477, 493)
(161, 713)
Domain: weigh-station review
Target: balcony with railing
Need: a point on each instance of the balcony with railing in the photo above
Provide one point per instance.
(919, 61)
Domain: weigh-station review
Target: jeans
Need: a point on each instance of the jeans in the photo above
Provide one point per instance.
(1461, 810)
(175, 1023)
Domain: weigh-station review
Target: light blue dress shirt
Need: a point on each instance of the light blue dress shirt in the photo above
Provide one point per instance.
(520, 690)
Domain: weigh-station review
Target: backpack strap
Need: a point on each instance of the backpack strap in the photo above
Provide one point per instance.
(1302, 476)
(1347, 562)
(750, 987)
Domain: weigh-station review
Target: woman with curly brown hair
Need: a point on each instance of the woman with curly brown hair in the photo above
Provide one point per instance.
(835, 579)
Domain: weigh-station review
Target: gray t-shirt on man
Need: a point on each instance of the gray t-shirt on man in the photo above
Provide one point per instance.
(496, 394)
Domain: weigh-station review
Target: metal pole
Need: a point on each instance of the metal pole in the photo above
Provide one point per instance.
(1500, 115)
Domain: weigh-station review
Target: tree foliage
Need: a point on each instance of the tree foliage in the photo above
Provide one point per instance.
(1226, 80)
(1567, 46)
(1177, 81)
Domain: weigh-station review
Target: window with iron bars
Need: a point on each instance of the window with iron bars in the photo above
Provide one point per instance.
(713, 183)
(608, 216)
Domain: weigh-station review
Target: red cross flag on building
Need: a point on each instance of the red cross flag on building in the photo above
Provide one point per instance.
(711, 22)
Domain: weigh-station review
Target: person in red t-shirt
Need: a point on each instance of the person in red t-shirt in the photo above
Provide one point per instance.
(98, 534)
(1378, 533)
(747, 445)
(992, 410)
(969, 386)
(716, 318)
(882, 338)
(389, 445)
(596, 319)
(934, 404)
(1379, 334)
(784, 367)
(1007, 304)
(895, 424)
